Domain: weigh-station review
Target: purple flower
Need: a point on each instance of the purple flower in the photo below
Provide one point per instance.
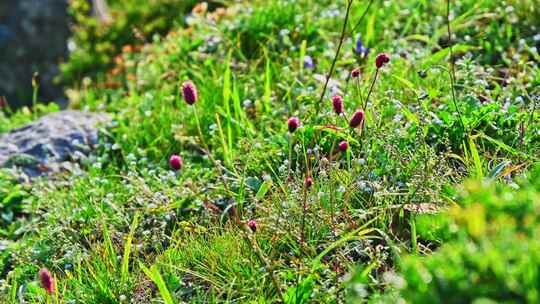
(337, 104)
(359, 49)
(357, 119)
(189, 92)
(293, 124)
(308, 182)
(46, 280)
(381, 60)
(176, 162)
(308, 62)
(252, 224)
(343, 146)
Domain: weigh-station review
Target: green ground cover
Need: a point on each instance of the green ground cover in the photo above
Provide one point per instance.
(435, 199)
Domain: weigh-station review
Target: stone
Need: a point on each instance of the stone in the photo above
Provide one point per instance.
(51, 142)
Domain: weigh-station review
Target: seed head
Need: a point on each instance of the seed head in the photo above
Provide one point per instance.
(293, 124)
(337, 104)
(252, 224)
(343, 146)
(176, 162)
(381, 60)
(189, 92)
(357, 119)
(46, 280)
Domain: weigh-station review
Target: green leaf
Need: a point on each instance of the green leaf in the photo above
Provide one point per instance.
(267, 185)
(442, 54)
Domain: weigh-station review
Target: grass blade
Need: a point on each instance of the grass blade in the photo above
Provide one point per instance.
(267, 85)
(227, 97)
(127, 248)
(156, 277)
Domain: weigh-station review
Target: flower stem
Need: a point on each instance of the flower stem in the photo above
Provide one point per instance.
(291, 142)
(370, 90)
(332, 67)
(362, 17)
(452, 65)
(304, 211)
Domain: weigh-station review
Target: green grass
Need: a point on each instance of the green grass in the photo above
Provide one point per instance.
(131, 229)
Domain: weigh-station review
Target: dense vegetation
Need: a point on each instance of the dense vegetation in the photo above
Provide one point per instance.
(424, 190)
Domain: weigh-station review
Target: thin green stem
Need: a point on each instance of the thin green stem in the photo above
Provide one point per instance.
(370, 90)
(303, 224)
(248, 236)
(531, 114)
(362, 17)
(201, 137)
(291, 142)
(332, 67)
(452, 65)
(206, 150)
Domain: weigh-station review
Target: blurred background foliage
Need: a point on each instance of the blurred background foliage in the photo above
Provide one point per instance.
(130, 23)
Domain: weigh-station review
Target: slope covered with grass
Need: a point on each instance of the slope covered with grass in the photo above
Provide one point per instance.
(329, 211)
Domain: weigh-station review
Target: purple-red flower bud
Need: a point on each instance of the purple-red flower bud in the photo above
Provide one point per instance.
(337, 104)
(357, 119)
(189, 92)
(343, 146)
(381, 60)
(355, 73)
(252, 224)
(176, 162)
(308, 182)
(46, 280)
(293, 123)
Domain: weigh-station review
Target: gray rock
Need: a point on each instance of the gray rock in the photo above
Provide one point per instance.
(46, 144)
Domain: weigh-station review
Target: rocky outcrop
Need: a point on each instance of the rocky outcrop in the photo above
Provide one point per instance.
(33, 38)
(45, 145)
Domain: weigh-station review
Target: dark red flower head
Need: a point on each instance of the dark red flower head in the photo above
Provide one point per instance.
(46, 280)
(308, 182)
(293, 123)
(337, 104)
(343, 146)
(176, 162)
(189, 92)
(381, 60)
(357, 119)
(355, 73)
(252, 224)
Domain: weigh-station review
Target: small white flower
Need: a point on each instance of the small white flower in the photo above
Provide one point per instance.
(247, 103)
(284, 32)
